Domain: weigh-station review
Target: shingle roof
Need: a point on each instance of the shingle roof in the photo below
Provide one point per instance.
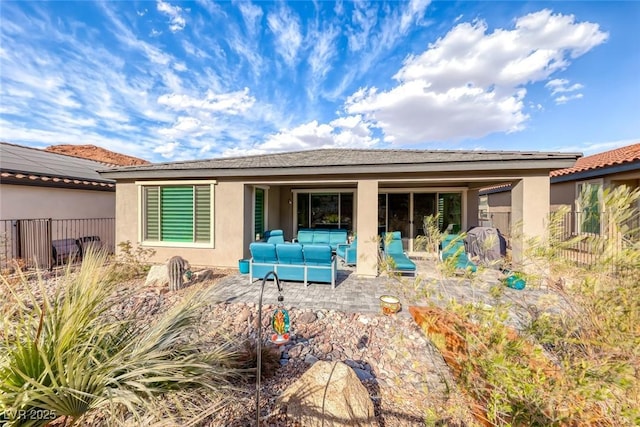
(619, 156)
(18, 162)
(323, 158)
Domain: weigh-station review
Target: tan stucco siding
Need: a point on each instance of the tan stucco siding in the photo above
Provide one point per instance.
(28, 202)
(563, 194)
(471, 209)
(230, 240)
(499, 202)
(367, 228)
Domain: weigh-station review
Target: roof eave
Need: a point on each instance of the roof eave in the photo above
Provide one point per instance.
(596, 173)
(535, 164)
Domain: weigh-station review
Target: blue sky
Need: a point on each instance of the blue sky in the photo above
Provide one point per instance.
(183, 80)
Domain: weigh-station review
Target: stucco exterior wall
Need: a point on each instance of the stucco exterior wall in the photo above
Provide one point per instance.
(499, 202)
(367, 228)
(563, 194)
(230, 242)
(28, 202)
(529, 211)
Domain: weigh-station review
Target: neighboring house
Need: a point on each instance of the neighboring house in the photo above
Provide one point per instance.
(46, 198)
(579, 187)
(209, 211)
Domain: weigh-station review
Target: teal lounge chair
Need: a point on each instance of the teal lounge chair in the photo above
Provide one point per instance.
(453, 246)
(393, 249)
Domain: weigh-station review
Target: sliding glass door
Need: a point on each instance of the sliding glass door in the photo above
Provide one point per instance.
(405, 212)
(325, 210)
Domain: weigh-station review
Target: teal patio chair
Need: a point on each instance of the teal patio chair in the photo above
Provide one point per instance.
(393, 249)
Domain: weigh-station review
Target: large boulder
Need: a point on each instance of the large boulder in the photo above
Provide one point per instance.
(158, 276)
(328, 394)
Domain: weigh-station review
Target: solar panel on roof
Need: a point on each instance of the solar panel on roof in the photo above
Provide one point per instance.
(32, 161)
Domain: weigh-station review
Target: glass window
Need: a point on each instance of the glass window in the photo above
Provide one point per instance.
(398, 219)
(325, 210)
(424, 204)
(450, 212)
(258, 213)
(303, 210)
(346, 211)
(589, 200)
(179, 213)
(382, 213)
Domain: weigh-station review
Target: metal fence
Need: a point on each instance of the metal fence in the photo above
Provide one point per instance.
(46, 242)
(580, 235)
(587, 238)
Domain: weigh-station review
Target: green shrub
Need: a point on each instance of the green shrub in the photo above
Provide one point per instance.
(75, 350)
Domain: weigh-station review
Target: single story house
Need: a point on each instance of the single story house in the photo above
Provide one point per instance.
(47, 197)
(579, 187)
(209, 211)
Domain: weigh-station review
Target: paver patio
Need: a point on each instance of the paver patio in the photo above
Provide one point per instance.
(361, 295)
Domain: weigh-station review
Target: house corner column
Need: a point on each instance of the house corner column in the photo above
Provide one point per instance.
(472, 213)
(529, 212)
(367, 228)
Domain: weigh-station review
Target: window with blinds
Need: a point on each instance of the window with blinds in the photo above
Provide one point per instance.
(258, 214)
(177, 213)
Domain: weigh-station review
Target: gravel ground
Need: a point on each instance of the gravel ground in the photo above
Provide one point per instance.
(407, 379)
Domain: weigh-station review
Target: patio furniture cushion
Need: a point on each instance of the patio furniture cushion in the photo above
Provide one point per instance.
(290, 261)
(274, 236)
(333, 237)
(348, 252)
(320, 263)
(263, 259)
(453, 246)
(305, 236)
(393, 248)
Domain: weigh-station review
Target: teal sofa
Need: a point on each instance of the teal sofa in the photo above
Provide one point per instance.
(293, 261)
(393, 249)
(323, 236)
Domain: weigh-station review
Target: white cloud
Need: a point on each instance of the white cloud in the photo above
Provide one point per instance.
(414, 11)
(590, 147)
(252, 15)
(176, 20)
(470, 83)
(229, 103)
(563, 99)
(323, 50)
(346, 132)
(167, 150)
(285, 26)
(561, 86)
(364, 20)
(180, 66)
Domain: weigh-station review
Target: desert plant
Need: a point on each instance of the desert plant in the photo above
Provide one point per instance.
(132, 262)
(247, 360)
(63, 352)
(432, 238)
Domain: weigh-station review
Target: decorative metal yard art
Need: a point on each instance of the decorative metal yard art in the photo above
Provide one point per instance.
(280, 323)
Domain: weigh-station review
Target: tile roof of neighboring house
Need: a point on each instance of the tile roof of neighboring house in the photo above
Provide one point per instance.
(21, 164)
(619, 156)
(311, 161)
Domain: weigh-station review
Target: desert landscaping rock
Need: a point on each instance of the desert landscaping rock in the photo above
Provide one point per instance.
(158, 276)
(307, 317)
(328, 394)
